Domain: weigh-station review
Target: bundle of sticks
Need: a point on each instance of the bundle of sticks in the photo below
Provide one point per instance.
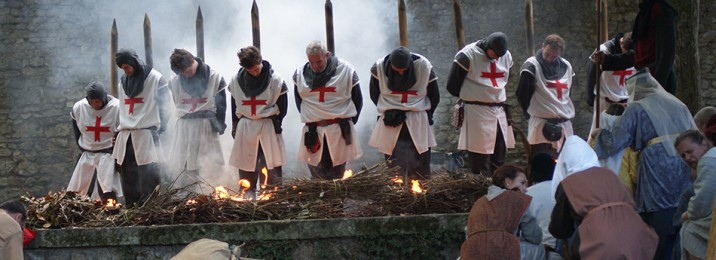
(374, 191)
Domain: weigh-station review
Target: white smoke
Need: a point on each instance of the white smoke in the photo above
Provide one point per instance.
(286, 27)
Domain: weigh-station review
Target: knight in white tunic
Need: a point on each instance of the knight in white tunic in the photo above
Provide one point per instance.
(259, 104)
(612, 84)
(95, 119)
(479, 78)
(544, 95)
(328, 96)
(405, 90)
(200, 100)
(143, 114)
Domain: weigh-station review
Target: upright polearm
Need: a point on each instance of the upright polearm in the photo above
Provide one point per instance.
(113, 59)
(605, 21)
(599, 32)
(200, 35)
(459, 32)
(402, 24)
(255, 28)
(329, 27)
(529, 21)
(148, 41)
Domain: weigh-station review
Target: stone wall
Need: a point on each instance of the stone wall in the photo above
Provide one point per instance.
(40, 79)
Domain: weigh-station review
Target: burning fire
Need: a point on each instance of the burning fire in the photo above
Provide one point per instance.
(221, 193)
(416, 187)
(265, 173)
(111, 203)
(245, 185)
(190, 202)
(347, 174)
(397, 180)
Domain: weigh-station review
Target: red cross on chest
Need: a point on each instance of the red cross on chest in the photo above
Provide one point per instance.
(493, 75)
(323, 90)
(559, 86)
(97, 128)
(253, 102)
(622, 75)
(131, 102)
(193, 101)
(405, 94)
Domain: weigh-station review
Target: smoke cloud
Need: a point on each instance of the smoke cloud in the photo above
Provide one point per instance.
(286, 28)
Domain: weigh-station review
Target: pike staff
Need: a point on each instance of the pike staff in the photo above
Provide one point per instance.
(255, 28)
(529, 22)
(148, 41)
(329, 27)
(402, 24)
(601, 32)
(459, 32)
(113, 59)
(200, 35)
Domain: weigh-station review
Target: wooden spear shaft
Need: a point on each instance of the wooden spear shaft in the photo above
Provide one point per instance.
(148, 41)
(330, 38)
(255, 28)
(598, 66)
(529, 22)
(113, 59)
(605, 21)
(402, 24)
(200, 35)
(459, 32)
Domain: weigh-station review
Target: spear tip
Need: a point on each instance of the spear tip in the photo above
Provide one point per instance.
(146, 20)
(328, 3)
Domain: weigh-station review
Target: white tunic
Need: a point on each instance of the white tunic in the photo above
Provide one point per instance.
(195, 144)
(485, 82)
(612, 86)
(255, 126)
(97, 128)
(550, 100)
(413, 101)
(136, 115)
(331, 101)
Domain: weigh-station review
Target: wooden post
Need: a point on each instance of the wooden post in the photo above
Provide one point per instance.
(113, 59)
(255, 28)
(599, 32)
(459, 32)
(330, 38)
(402, 24)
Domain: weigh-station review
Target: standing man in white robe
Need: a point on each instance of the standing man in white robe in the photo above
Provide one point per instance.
(405, 90)
(95, 119)
(143, 97)
(328, 96)
(259, 104)
(479, 76)
(200, 100)
(544, 95)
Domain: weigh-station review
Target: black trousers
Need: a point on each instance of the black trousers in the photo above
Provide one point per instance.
(275, 175)
(486, 164)
(138, 181)
(412, 164)
(542, 148)
(325, 169)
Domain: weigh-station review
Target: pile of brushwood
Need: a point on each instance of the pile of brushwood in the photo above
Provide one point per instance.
(375, 191)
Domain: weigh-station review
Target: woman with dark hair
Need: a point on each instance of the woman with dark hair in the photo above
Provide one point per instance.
(499, 224)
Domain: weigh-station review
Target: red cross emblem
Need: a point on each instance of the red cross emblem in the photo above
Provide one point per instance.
(493, 75)
(323, 90)
(622, 74)
(193, 101)
(253, 102)
(97, 128)
(559, 86)
(405, 94)
(131, 102)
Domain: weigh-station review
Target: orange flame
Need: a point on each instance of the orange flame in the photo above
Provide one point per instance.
(416, 187)
(190, 202)
(397, 180)
(265, 173)
(221, 193)
(245, 185)
(347, 174)
(111, 203)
